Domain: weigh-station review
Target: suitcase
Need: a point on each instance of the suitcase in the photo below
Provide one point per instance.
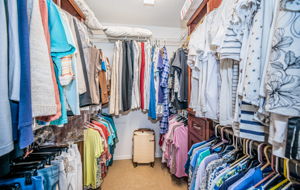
(143, 147)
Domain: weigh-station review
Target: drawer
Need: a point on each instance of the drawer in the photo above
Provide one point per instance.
(195, 138)
(197, 130)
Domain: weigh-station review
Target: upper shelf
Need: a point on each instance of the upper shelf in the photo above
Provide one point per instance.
(71, 7)
(205, 7)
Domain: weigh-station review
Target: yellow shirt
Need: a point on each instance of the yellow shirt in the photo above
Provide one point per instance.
(93, 148)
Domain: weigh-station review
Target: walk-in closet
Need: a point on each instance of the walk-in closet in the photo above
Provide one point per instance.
(149, 94)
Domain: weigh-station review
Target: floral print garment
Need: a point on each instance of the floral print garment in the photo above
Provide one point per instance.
(212, 172)
(283, 76)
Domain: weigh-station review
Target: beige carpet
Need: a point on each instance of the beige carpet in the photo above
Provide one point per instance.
(123, 176)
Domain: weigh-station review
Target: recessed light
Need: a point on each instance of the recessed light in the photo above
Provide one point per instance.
(149, 2)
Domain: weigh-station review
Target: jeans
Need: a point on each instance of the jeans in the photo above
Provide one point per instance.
(37, 183)
(50, 177)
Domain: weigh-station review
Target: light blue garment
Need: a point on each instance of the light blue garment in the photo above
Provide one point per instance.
(201, 172)
(37, 183)
(252, 177)
(14, 71)
(103, 66)
(71, 90)
(6, 139)
(50, 177)
(195, 158)
(59, 48)
(194, 146)
(152, 102)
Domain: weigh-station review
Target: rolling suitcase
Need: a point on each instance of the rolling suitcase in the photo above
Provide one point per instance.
(143, 147)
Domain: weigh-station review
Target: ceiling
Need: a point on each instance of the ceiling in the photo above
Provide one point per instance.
(134, 12)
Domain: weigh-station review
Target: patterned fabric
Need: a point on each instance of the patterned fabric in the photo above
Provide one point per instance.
(237, 30)
(67, 74)
(223, 177)
(211, 167)
(164, 123)
(99, 173)
(283, 76)
(215, 173)
(254, 65)
(249, 127)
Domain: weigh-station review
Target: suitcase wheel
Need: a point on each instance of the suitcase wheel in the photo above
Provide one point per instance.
(135, 164)
(152, 164)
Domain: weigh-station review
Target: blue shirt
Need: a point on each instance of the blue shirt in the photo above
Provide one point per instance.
(252, 177)
(187, 164)
(195, 158)
(59, 48)
(25, 110)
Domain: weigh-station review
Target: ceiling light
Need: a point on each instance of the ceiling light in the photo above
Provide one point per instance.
(149, 2)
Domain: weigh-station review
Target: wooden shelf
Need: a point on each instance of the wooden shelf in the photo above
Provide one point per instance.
(205, 7)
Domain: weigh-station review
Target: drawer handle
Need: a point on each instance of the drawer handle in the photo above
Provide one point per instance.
(197, 127)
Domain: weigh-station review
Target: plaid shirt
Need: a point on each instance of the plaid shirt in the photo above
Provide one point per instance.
(164, 122)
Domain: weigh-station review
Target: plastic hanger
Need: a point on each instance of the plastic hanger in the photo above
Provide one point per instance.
(286, 180)
(288, 176)
(268, 176)
(223, 140)
(267, 158)
(276, 178)
(245, 146)
(253, 157)
(24, 174)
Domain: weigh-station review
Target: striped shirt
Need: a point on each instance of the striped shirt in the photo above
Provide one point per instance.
(249, 127)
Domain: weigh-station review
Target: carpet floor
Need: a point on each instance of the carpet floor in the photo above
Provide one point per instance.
(123, 176)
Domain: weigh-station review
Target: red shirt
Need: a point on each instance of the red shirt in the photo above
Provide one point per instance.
(104, 129)
(142, 75)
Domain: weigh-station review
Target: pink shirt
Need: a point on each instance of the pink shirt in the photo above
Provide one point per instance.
(180, 142)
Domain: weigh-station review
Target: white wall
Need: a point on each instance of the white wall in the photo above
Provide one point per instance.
(126, 124)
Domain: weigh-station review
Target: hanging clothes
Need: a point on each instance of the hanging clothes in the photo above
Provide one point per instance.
(7, 139)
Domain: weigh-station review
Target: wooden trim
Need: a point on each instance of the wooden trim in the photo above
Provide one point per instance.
(197, 12)
(71, 7)
(78, 10)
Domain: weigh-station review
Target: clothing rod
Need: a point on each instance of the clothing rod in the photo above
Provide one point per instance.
(166, 42)
(294, 165)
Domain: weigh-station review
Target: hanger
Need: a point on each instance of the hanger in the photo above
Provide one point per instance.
(276, 177)
(223, 140)
(268, 176)
(260, 153)
(286, 180)
(288, 176)
(216, 130)
(267, 158)
(246, 156)
(24, 174)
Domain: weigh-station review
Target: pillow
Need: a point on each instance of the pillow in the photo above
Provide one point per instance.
(90, 19)
(123, 31)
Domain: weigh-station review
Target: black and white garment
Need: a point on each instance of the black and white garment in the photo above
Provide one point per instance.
(283, 77)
